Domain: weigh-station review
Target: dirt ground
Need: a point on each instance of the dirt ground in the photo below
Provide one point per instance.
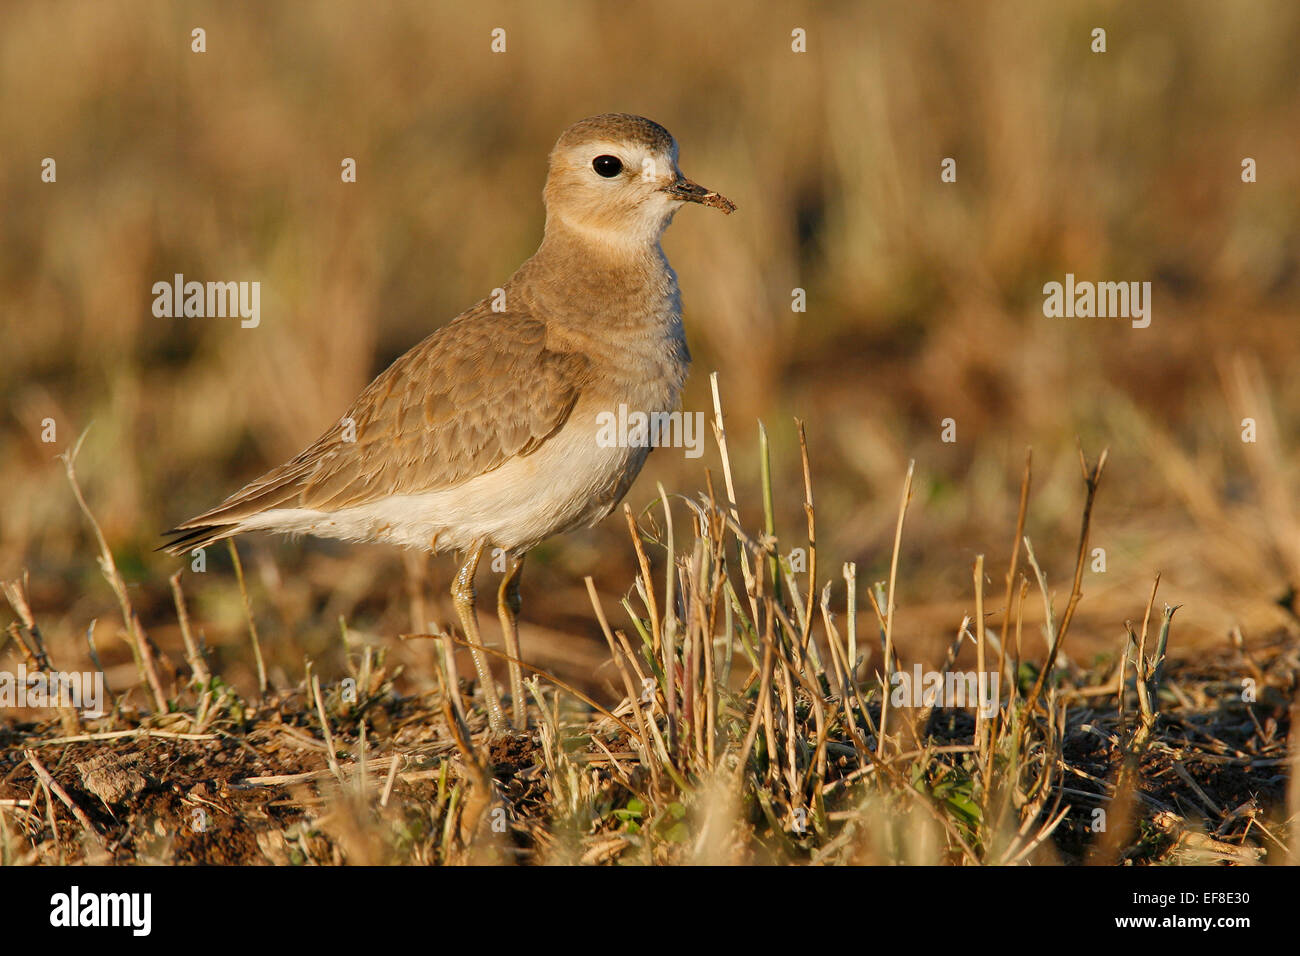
(257, 787)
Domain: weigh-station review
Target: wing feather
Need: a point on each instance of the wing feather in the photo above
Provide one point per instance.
(471, 396)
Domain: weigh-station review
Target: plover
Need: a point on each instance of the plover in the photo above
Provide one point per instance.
(485, 434)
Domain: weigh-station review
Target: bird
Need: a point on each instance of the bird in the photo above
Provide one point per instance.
(484, 434)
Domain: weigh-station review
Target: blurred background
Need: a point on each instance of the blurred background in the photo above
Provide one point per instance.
(924, 298)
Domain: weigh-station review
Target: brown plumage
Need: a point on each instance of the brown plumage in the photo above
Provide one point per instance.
(469, 397)
(484, 434)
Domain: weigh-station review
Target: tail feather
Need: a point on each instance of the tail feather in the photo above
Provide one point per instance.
(196, 537)
(226, 519)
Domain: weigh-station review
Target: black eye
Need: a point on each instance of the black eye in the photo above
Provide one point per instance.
(607, 166)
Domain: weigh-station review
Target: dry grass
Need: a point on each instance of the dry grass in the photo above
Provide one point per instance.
(752, 731)
(924, 303)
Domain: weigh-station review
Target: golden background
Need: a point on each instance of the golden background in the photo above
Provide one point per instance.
(924, 299)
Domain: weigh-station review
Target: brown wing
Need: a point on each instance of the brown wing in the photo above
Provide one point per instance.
(471, 396)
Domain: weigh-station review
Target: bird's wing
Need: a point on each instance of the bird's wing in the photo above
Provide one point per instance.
(476, 393)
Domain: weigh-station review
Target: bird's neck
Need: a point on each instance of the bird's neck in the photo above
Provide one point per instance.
(582, 275)
(615, 247)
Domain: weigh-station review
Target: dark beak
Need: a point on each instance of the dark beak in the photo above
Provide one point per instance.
(687, 191)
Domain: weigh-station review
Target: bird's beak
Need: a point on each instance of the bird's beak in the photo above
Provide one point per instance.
(687, 191)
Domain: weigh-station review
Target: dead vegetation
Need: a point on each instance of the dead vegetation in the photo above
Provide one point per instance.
(751, 730)
(747, 697)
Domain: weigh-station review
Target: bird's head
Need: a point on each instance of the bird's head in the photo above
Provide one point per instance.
(615, 177)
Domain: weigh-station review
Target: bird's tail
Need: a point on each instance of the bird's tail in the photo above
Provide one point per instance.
(188, 539)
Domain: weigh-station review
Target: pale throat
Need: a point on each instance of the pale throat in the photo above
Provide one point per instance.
(596, 248)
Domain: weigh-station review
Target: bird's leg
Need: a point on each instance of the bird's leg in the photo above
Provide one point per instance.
(462, 595)
(508, 604)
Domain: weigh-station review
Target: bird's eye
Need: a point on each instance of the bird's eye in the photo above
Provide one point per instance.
(607, 166)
